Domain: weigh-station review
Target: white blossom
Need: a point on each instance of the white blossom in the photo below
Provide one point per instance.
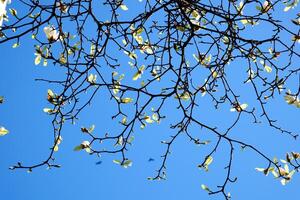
(3, 4)
(51, 33)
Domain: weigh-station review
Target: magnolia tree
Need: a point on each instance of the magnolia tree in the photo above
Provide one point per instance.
(149, 55)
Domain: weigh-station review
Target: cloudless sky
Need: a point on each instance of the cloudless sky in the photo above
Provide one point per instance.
(79, 177)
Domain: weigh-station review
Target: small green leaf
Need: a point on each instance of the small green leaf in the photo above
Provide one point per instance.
(45, 63)
(55, 148)
(1, 99)
(16, 45)
(148, 119)
(268, 69)
(117, 162)
(287, 8)
(84, 145)
(126, 100)
(130, 140)
(180, 28)
(275, 174)
(78, 148)
(258, 8)
(260, 169)
(62, 59)
(124, 7)
(49, 111)
(155, 117)
(38, 59)
(13, 11)
(93, 49)
(208, 160)
(92, 78)
(3, 131)
(139, 73)
(204, 187)
(127, 163)
(139, 31)
(88, 130)
(88, 150)
(120, 141)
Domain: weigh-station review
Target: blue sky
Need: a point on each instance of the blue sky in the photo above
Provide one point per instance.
(30, 138)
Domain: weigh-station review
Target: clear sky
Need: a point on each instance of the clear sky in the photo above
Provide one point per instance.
(79, 177)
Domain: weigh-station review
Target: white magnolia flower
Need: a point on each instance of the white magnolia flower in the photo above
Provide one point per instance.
(238, 107)
(51, 33)
(296, 38)
(3, 4)
(62, 7)
(85, 144)
(266, 6)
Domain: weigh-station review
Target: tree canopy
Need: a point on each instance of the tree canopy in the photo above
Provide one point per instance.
(202, 67)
